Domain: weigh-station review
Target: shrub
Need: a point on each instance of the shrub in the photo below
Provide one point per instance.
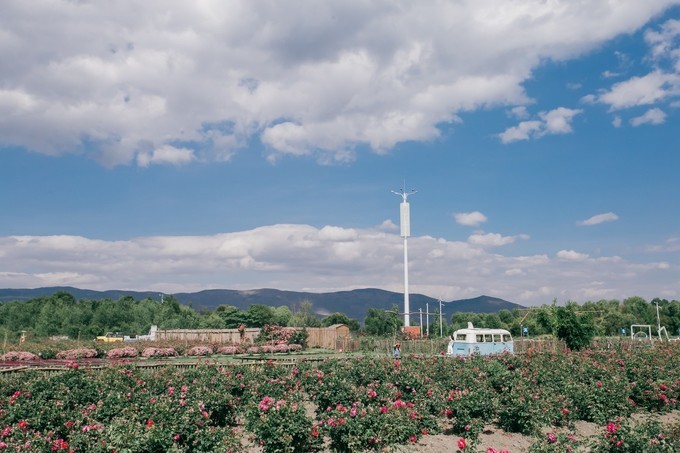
(283, 426)
(120, 353)
(200, 351)
(15, 356)
(159, 352)
(229, 350)
(81, 353)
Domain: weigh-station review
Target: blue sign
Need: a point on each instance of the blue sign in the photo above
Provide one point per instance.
(525, 331)
(623, 330)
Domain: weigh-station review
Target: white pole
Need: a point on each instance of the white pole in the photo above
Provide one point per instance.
(658, 321)
(405, 222)
(427, 319)
(407, 308)
(421, 321)
(441, 330)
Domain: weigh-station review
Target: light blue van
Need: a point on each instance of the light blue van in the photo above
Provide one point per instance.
(466, 342)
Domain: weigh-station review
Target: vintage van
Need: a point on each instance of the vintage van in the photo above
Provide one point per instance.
(473, 340)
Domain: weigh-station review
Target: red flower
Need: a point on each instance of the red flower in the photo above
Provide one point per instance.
(149, 423)
(462, 444)
(413, 438)
(599, 383)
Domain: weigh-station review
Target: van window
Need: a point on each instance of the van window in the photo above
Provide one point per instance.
(496, 338)
(506, 337)
(480, 338)
(460, 337)
(487, 338)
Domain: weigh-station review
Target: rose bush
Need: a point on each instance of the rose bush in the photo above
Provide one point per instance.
(358, 403)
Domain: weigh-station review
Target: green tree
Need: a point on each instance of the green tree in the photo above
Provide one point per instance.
(576, 331)
(304, 317)
(232, 316)
(258, 315)
(340, 318)
(282, 315)
(382, 322)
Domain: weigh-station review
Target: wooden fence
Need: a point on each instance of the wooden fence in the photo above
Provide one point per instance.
(216, 336)
(318, 337)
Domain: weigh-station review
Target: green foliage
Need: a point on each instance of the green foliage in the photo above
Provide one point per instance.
(281, 425)
(362, 403)
(622, 436)
(303, 317)
(340, 318)
(576, 331)
(382, 322)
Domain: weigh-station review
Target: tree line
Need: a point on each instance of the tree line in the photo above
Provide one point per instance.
(62, 314)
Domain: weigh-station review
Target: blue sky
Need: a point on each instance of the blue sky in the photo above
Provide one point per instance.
(174, 146)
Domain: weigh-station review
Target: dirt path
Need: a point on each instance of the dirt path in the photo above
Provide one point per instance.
(513, 443)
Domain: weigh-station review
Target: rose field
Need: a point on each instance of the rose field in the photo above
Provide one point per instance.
(351, 403)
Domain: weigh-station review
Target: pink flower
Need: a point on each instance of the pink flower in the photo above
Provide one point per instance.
(612, 428)
(552, 438)
(413, 438)
(491, 450)
(266, 403)
(599, 383)
(462, 444)
(149, 423)
(565, 411)
(175, 437)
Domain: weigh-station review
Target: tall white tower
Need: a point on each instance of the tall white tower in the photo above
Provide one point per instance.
(405, 221)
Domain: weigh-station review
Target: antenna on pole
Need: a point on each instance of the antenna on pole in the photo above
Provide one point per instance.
(405, 226)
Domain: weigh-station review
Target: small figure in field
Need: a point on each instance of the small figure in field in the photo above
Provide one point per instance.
(397, 350)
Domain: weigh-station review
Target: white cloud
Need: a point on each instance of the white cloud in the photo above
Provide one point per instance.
(652, 116)
(520, 112)
(470, 218)
(599, 218)
(166, 154)
(571, 255)
(523, 131)
(305, 258)
(307, 79)
(388, 225)
(493, 239)
(672, 244)
(557, 121)
(645, 90)
(616, 122)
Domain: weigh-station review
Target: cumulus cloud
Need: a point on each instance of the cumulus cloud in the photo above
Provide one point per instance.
(644, 90)
(493, 239)
(474, 218)
(571, 255)
(166, 154)
(320, 80)
(599, 218)
(652, 116)
(305, 258)
(557, 121)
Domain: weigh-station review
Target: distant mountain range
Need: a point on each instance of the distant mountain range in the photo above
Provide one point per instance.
(354, 304)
